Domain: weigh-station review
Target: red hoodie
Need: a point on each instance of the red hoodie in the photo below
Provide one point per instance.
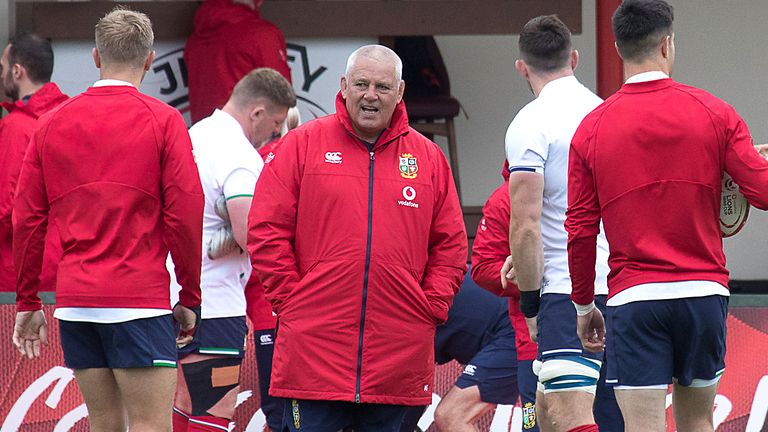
(649, 162)
(229, 40)
(489, 251)
(114, 170)
(15, 131)
(360, 251)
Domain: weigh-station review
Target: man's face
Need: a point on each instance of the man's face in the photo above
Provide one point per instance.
(10, 87)
(371, 91)
(265, 123)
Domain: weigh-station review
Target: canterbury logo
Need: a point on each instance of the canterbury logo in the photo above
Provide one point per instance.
(265, 339)
(470, 370)
(333, 157)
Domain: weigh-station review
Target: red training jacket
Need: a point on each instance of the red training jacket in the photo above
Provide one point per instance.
(650, 162)
(360, 252)
(115, 171)
(15, 131)
(228, 41)
(489, 251)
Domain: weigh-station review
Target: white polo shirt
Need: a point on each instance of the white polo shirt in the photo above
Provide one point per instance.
(539, 140)
(228, 165)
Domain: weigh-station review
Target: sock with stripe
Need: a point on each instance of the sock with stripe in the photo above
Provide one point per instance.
(207, 424)
(180, 420)
(586, 428)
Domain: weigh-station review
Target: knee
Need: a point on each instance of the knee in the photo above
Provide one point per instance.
(445, 417)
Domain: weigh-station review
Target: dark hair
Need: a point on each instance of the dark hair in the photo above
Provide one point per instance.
(640, 25)
(34, 53)
(545, 43)
(264, 83)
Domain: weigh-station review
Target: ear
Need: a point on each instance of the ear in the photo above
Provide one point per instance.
(616, 47)
(149, 60)
(96, 58)
(400, 91)
(665, 46)
(521, 68)
(344, 86)
(574, 59)
(257, 111)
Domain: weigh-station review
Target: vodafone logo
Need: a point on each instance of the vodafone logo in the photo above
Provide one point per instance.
(333, 157)
(409, 193)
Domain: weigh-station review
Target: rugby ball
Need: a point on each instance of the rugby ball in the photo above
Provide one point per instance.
(734, 208)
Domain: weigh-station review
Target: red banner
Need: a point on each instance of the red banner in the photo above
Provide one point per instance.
(42, 395)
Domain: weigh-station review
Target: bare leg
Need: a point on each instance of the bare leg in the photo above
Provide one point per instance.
(541, 414)
(106, 412)
(148, 397)
(693, 408)
(459, 409)
(568, 410)
(643, 410)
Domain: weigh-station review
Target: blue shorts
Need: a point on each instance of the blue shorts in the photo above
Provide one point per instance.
(332, 416)
(557, 327)
(145, 342)
(218, 336)
(652, 343)
(494, 370)
(526, 385)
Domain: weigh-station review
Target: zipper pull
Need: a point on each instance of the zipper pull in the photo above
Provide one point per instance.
(357, 396)
(372, 157)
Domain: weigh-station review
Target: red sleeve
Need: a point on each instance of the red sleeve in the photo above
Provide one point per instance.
(272, 51)
(30, 223)
(272, 223)
(583, 225)
(447, 244)
(748, 169)
(257, 307)
(183, 203)
(491, 246)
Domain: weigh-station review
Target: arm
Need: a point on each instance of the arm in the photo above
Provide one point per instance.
(526, 191)
(272, 223)
(273, 51)
(747, 167)
(491, 245)
(183, 204)
(238, 209)
(447, 244)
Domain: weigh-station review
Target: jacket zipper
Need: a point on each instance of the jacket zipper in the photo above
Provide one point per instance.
(365, 274)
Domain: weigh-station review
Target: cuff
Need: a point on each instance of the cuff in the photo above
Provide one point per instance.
(582, 310)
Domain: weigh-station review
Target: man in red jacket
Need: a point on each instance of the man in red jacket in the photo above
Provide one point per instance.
(359, 241)
(229, 40)
(114, 170)
(27, 64)
(654, 177)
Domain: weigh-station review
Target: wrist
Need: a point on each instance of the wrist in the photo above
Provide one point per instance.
(582, 310)
(529, 303)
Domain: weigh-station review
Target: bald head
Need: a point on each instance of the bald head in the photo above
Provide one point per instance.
(378, 53)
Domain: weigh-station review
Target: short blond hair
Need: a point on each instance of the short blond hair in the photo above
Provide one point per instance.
(124, 37)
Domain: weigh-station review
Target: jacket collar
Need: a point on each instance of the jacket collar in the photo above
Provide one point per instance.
(398, 125)
(45, 98)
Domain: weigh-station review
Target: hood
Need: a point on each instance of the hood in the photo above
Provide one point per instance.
(398, 125)
(214, 15)
(42, 101)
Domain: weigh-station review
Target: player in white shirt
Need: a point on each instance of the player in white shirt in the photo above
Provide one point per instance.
(537, 147)
(225, 146)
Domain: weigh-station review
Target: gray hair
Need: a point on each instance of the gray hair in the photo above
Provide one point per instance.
(378, 52)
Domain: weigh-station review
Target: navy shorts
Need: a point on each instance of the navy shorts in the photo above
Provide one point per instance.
(218, 336)
(332, 416)
(494, 370)
(557, 327)
(526, 385)
(652, 343)
(145, 342)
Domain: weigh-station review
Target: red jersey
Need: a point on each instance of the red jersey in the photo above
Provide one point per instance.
(489, 251)
(15, 131)
(361, 248)
(114, 170)
(649, 161)
(228, 41)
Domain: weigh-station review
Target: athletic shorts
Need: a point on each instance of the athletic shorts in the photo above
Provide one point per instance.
(218, 336)
(557, 327)
(332, 416)
(494, 369)
(526, 385)
(653, 343)
(145, 342)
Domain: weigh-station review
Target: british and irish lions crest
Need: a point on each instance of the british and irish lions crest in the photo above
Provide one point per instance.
(408, 166)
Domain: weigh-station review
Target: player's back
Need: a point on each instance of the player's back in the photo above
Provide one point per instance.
(102, 159)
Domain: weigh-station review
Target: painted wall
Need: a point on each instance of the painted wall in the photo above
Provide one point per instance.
(714, 41)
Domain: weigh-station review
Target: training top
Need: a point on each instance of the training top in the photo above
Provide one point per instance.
(538, 140)
(228, 165)
(15, 130)
(115, 171)
(228, 41)
(650, 162)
